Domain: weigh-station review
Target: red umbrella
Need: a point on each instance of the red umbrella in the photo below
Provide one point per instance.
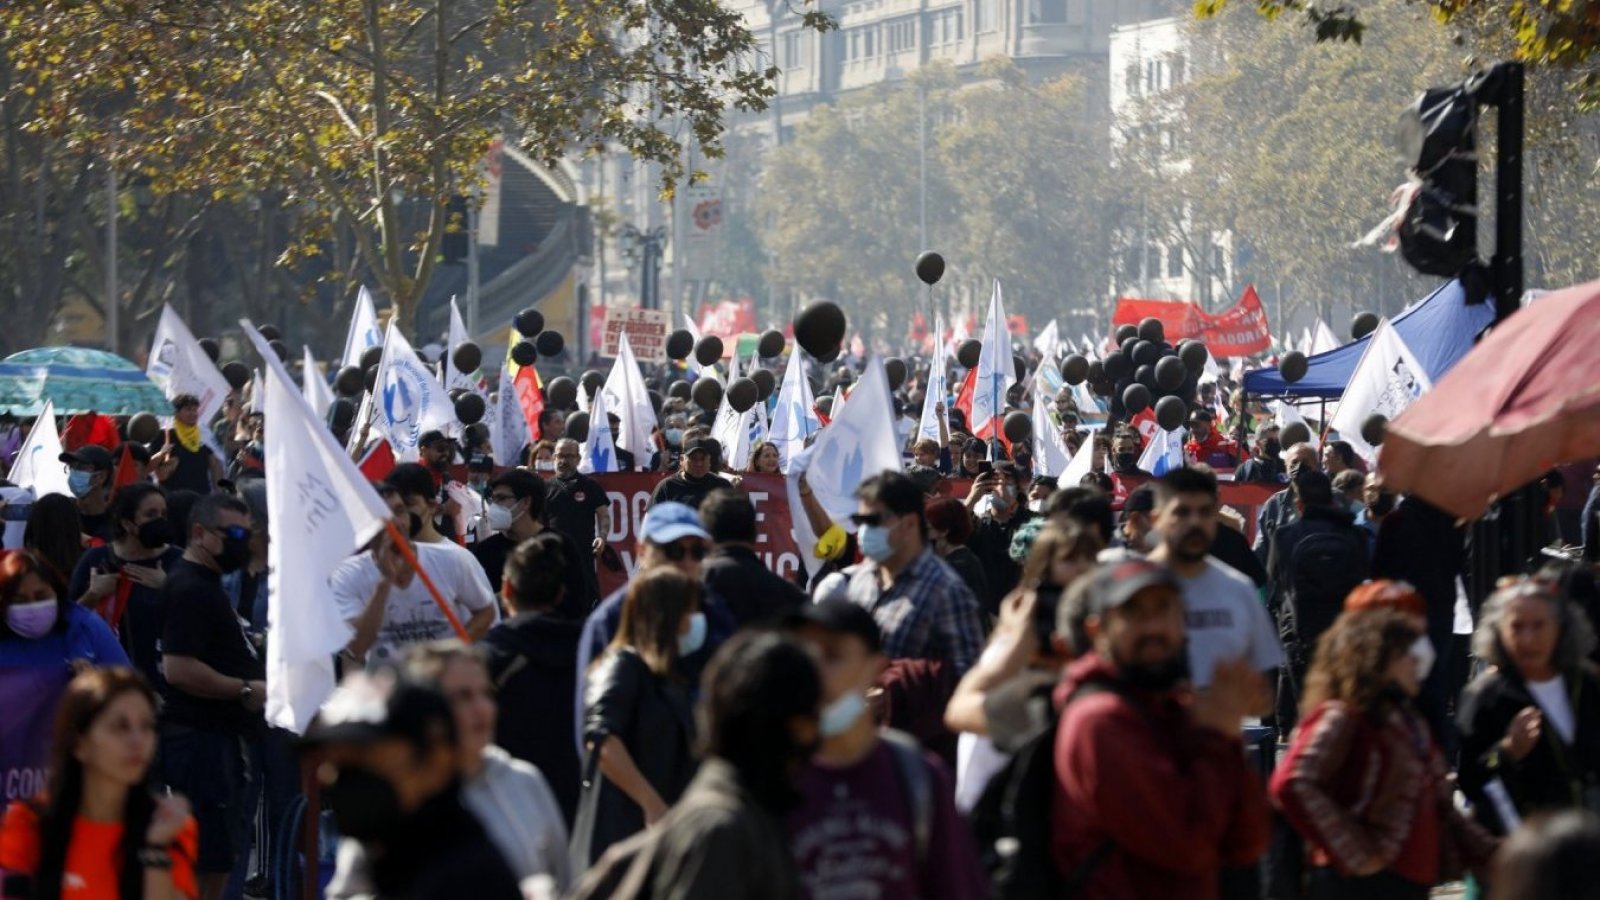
(1525, 399)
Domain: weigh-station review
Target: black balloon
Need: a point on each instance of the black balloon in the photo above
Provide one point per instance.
(771, 344)
(348, 382)
(1146, 375)
(523, 353)
(1152, 330)
(708, 350)
(1017, 425)
(969, 353)
(561, 392)
(1375, 428)
(1292, 366)
(342, 414)
(592, 380)
(455, 394)
(280, 348)
(1171, 413)
(371, 357)
(369, 379)
(655, 401)
(212, 348)
(475, 435)
(1075, 369)
(1126, 346)
(467, 357)
(831, 355)
(469, 408)
(680, 344)
(550, 343)
(1146, 353)
(765, 381)
(1126, 331)
(742, 394)
(1097, 371)
(270, 332)
(1363, 324)
(1193, 354)
(529, 322)
(1170, 373)
(1135, 398)
(895, 369)
(706, 393)
(237, 373)
(144, 428)
(578, 426)
(679, 389)
(930, 267)
(1294, 433)
(1117, 366)
(819, 329)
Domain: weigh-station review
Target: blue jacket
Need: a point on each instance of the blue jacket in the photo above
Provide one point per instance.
(86, 637)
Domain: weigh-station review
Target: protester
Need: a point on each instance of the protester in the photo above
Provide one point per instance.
(389, 765)
(752, 591)
(516, 506)
(1207, 444)
(542, 457)
(552, 425)
(625, 458)
(763, 459)
(996, 500)
(974, 456)
(1136, 535)
(1556, 855)
(950, 527)
(1264, 464)
(1349, 490)
(724, 838)
(922, 606)
(1153, 795)
(98, 831)
(89, 471)
(877, 817)
(185, 461)
(42, 629)
(638, 729)
(1337, 457)
(215, 688)
(450, 564)
(1087, 507)
(124, 580)
(54, 533)
(1376, 504)
(577, 506)
(1279, 509)
(1530, 724)
(1363, 782)
(695, 480)
(1125, 449)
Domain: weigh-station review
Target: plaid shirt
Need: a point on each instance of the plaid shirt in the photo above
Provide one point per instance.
(927, 613)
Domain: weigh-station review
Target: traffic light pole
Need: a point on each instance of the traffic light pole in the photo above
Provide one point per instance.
(1506, 266)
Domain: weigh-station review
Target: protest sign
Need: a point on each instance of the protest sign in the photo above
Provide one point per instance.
(646, 330)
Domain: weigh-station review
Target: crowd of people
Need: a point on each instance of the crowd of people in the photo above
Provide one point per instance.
(996, 684)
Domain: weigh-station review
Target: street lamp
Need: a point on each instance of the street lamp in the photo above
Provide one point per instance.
(643, 248)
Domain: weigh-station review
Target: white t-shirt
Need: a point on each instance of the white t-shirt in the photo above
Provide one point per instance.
(411, 616)
(1226, 620)
(1556, 705)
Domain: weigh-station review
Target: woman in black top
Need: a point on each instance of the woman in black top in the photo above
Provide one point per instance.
(123, 581)
(949, 527)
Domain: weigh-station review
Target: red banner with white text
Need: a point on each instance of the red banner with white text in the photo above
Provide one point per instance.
(1239, 330)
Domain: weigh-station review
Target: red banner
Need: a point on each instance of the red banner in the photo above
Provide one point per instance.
(1239, 330)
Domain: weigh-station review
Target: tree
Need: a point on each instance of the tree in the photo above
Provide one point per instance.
(366, 116)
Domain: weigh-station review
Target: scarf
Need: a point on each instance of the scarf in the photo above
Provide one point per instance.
(188, 436)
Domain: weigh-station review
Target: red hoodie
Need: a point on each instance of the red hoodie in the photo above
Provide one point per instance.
(1176, 801)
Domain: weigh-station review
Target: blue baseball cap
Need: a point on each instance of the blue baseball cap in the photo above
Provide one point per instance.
(668, 522)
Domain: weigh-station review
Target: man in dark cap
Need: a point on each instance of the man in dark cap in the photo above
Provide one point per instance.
(694, 480)
(89, 476)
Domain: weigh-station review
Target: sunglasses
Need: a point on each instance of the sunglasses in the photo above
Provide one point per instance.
(676, 552)
(873, 519)
(234, 532)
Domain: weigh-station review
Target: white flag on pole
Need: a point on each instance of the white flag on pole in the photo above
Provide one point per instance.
(627, 396)
(408, 401)
(1322, 339)
(598, 453)
(732, 430)
(38, 465)
(320, 510)
(458, 336)
(1082, 464)
(936, 395)
(179, 365)
(794, 419)
(1164, 453)
(996, 373)
(319, 396)
(1050, 455)
(1048, 343)
(1386, 381)
(508, 430)
(363, 331)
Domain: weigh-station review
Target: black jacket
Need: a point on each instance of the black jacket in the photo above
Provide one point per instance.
(969, 568)
(1554, 774)
(1420, 543)
(991, 544)
(441, 854)
(752, 592)
(1316, 520)
(680, 488)
(533, 662)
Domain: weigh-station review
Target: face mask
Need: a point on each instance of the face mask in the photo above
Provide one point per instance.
(1159, 677)
(1272, 448)
(545, 465)
(155, 533)
(235, 554)
(1036, 505)
(874, 542)
(500, 517)
(696, 638)
(365, 806)
(675, 436)
(838, 716)
(78, 482)
(32, 620)
(1127, 460)
(1422, 651)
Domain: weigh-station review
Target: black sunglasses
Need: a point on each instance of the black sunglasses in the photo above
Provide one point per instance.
(235, 532)
(676, 552)
(868, 518)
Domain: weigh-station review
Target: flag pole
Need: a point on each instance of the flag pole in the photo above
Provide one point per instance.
(438, 598)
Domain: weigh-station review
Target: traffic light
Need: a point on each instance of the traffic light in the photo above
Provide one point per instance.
(1438, 141)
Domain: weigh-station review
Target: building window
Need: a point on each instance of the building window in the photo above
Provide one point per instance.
(1219, 263)
(1132, 79)
(986, 17)
(868, 42)
(1175, 261)
(1047, 12)
(1177, 68)
(792, 47)
(900, 36)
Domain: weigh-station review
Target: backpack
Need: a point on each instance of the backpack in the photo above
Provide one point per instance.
(917, 782)
(1324, 567)
(1012, 818)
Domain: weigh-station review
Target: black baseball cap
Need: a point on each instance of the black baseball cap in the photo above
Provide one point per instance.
(90, 455)
(380, 705)
(434, 437)
(1140, 499)
(708, 445)
(1114, 584)
(839, 616)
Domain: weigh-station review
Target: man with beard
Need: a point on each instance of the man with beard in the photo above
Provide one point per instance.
(1153, 796)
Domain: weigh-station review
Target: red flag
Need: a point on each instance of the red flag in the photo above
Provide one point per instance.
(127, 469)
(378, 461)
(531, 397)
(964, 395)
(90, 428)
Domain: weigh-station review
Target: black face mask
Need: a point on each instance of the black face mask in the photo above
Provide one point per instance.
(235, 554)
(1127, 460)
(1381, 506)
(155, 534)
(1272, 448)
(365, 806)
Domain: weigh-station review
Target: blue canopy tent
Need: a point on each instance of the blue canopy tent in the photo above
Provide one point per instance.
(1439, 330)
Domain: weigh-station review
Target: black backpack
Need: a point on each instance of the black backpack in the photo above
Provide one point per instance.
(1324, 567)
(1012, 818)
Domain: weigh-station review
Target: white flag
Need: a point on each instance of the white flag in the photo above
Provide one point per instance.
(363, 331)
(1163, 453)
(937, 395)
(1288, 414)
(1386, 381)
(1050, 455)
(627, 396)
(731, 430)
(1082, 464)
(38, 465)
(508, 430)
(598, 453)
(996, 373)
(179, 365)
(319, 396)
(1048, 343)
(857, 444)
(320, 510)
(794, 419)
(458, 336)
(408, 401)
(1322, 339)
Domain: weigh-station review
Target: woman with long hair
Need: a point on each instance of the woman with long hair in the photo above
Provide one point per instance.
(122, 581)
(40, 628)
(55, 532)
(950, 526)
(638, 725)
(98, 831)
(1530, 724)
(1363, 781)
(763, 459)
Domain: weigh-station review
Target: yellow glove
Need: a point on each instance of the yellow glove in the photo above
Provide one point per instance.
(831, 544)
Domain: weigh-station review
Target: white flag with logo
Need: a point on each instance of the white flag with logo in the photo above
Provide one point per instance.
(320, 511)
(1386, 381)
(363, 331)
(996, 373)
(1163, 453)
(627, 396)
(599, 456)
(936, 396)
(794, 419)
(732, 430)
(179, 365)
(1050, 456)
(38, 464)
(508, 429)
(458, 336)
(318, 394)
(408, 401)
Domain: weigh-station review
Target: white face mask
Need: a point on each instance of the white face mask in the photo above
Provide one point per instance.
(545, 465)
(1422, 651)
(1037, 505)
(499, 517)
